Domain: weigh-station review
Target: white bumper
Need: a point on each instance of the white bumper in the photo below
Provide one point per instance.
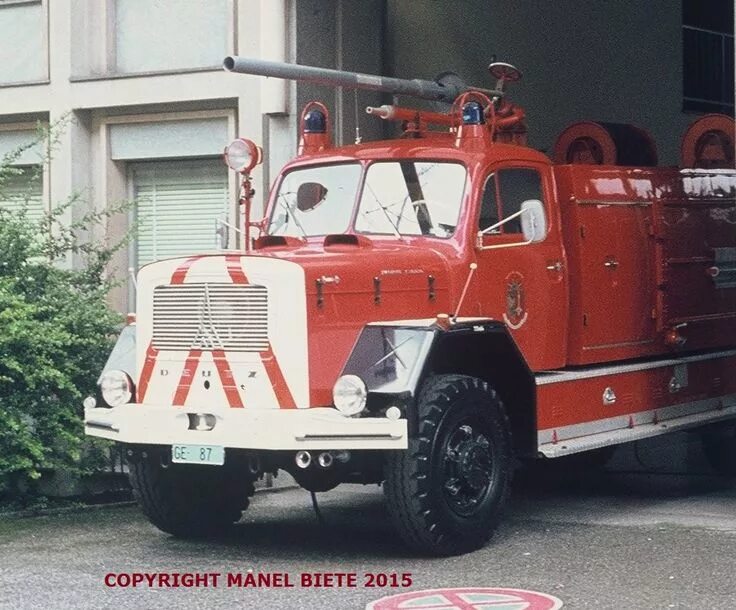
(275, 429)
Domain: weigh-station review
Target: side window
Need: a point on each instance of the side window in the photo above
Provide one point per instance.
(489, 205)
(504, 192)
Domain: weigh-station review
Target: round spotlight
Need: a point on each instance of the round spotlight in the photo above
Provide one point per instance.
(243, 155)
(116, 388)
(349, 395)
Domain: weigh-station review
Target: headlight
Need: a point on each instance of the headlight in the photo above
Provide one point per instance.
(116, 388)
(243, 155)
(349, 395)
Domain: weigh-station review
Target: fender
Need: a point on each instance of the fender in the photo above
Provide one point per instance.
(122, 356)
(395, 358)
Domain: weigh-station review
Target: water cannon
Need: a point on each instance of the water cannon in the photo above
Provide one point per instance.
(443, 89)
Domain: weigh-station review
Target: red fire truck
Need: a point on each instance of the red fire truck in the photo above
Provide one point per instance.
(424, 312)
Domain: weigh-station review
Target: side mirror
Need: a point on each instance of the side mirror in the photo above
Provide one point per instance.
(309, 195)
(533, 220)
(222, 235)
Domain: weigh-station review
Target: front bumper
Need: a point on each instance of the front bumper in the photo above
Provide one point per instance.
(274, 429)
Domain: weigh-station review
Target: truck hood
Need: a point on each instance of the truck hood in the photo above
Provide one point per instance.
(395, 276)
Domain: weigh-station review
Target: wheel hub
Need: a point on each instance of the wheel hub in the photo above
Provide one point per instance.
(475, 466)
(468, 469)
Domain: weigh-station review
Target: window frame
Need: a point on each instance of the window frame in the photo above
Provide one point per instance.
(273, 198)
(366, 168)
(108, 48)
(133, 213)
(44, 163)
(725, 103)
(502, 236)
(45, 49)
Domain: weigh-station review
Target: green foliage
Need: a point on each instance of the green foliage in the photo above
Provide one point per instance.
(56, 332)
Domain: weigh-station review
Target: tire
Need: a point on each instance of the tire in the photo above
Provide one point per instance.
(445, 493)
(191, 501)
(719, 447)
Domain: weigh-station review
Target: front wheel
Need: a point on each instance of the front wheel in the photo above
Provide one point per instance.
(445, 493)
(190, 501)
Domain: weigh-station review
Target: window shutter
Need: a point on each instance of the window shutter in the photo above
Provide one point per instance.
(24, 189)
(177, 208)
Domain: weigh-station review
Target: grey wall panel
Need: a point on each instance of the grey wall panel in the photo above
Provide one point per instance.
(344, 34)
(612, 61)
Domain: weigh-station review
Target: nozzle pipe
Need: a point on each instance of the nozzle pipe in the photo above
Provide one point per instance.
(423, 89)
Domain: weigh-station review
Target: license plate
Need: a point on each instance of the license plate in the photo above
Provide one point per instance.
(198, 454)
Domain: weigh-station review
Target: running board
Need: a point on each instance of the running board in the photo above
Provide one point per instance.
(639, 431)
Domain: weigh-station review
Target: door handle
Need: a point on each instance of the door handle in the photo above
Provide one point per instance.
(611, 263)
(554, 266)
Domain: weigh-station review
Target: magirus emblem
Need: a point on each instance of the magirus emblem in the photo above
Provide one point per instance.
(207, 336)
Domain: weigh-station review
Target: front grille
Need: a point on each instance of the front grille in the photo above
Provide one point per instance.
(210, 316)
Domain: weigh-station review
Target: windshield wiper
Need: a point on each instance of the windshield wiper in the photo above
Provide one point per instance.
(290, 213)
(395, 227)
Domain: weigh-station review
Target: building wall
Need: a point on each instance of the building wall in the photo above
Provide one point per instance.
(613, 61)
(344, 35)
(147, 72)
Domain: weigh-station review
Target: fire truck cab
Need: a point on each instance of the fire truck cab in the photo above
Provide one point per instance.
(422, 312)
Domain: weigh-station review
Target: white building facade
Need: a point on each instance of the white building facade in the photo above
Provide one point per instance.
(145, 110)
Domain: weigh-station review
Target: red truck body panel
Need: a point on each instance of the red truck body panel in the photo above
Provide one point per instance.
(641, 244)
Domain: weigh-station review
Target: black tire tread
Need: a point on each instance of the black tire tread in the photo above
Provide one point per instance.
(190, 501)
(407, 480)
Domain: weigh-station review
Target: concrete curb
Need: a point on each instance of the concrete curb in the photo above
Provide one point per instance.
(63, 510)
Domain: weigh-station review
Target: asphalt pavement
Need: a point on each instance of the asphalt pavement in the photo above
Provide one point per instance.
(643, 537)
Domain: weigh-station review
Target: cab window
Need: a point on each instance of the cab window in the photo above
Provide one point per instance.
(504, 192)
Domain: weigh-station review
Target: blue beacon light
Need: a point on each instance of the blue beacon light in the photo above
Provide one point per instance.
(314, 122)
(473, 114)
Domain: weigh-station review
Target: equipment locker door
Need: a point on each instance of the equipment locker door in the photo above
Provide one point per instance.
(523, 284)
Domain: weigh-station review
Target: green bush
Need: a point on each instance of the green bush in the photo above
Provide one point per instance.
(56, 332)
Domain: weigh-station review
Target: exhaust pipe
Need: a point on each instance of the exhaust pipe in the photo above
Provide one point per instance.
(303, 459)
(325, 459)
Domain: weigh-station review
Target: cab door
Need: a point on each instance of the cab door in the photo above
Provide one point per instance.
(523, 283)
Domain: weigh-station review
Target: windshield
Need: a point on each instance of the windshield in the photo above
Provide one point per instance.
(398, 198)
(411, 198)
(316, 200)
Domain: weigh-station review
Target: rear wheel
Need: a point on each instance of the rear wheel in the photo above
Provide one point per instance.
(446, 491)
(719, 446)
(191, 501)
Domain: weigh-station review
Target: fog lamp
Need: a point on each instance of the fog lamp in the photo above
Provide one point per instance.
(243, 155)
(349, 395)
(116, 388)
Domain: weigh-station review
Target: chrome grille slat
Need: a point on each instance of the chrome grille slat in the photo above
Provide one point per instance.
(211, 316)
